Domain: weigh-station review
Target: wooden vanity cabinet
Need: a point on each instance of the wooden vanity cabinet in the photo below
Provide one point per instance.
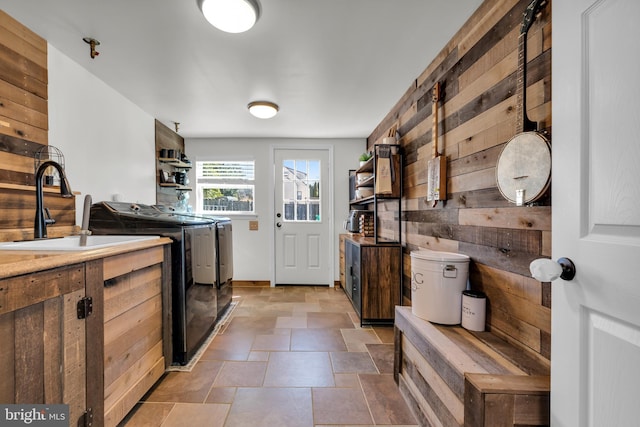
(372, 279)
(93, 334)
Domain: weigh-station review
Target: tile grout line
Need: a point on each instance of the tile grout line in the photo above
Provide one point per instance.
(346, 380)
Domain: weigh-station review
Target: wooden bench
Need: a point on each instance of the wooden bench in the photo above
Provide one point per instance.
(452, 377)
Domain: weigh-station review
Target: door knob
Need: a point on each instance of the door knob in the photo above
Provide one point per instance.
(278, 224)
(547, 270)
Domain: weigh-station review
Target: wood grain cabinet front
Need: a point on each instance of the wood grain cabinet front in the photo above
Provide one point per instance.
(42, 357)
(134, 353)
(343, 282)
(373, 275)
(92, 335)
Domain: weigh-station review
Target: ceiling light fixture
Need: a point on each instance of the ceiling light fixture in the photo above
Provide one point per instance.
(263, 109)
(232, 16)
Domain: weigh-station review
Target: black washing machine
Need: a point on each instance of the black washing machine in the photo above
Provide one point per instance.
(221, 272)
(194, 307)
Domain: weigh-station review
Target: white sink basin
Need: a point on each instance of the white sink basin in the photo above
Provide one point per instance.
(72, 243)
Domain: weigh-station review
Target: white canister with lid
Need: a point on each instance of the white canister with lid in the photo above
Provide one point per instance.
(474, 308)
(437, 281)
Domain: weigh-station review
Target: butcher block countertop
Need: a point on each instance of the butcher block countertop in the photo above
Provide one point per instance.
(16, 263)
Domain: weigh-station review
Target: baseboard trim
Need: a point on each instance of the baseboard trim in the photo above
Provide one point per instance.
(251, 283)
(267, 283)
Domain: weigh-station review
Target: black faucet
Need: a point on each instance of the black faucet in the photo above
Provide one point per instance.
(40, 224)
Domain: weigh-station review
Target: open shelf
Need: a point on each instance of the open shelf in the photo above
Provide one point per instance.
(363, 201)
(366, 167)
(369, 182)
(176, 186)
(371, 203)
(176, 163)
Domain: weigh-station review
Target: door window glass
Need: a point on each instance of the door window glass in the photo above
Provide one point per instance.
(301, 190)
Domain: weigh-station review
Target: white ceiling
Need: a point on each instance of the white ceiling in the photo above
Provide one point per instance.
(335, 67)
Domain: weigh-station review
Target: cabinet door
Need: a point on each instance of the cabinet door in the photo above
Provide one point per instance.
(348, 268)
(42, 359)
(356, 276)
(380, 282)
(343, 280)
(133, 327)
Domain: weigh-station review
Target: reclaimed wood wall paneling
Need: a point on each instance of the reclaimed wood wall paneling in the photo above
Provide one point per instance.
(23, 131)
(17, 208)
(477, 70)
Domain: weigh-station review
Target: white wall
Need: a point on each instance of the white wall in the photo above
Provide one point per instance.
(252, 249)
(108, 142)
(109, 148)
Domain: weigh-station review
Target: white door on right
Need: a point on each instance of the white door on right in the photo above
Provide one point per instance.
(595, 345)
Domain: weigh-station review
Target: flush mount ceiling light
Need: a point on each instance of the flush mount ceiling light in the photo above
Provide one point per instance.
(263, 109)
(232, 16)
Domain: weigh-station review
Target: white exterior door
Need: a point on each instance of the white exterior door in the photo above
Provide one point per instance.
(301, 217)
(595, 347)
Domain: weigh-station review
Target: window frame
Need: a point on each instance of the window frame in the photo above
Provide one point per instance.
(203, 183)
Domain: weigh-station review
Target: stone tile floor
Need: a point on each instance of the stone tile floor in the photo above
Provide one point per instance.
(289, 356)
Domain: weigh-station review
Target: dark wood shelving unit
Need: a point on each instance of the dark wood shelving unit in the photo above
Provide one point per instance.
(371, 270)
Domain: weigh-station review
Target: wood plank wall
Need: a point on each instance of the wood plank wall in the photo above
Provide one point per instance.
(477, 70)
(170, 140)
(24, 131)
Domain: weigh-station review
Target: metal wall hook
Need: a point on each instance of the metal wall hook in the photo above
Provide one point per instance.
(92, 43)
